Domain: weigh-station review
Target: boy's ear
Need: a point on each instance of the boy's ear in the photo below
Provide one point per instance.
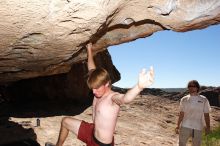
(107, 84)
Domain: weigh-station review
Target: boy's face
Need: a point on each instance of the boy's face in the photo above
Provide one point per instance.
(100, 91)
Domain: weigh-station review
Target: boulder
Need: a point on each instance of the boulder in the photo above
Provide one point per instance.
(42, 38)
(212, 94)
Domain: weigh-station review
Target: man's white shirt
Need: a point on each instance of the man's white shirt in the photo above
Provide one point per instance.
(194, 108)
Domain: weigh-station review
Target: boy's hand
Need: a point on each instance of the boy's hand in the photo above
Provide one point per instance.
(177, 130)
(89, 46)
(146, 79)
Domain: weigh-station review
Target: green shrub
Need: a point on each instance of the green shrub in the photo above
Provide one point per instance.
(212, 139)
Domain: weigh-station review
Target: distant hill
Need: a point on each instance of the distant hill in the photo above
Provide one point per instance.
(211, 93)
(173, 89)
(123, 90)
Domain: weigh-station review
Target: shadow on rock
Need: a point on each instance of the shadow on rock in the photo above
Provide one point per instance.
(43, 108)
(22, 133)
(13, 134)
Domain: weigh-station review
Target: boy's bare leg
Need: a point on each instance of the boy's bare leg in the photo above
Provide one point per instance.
(62, 136)
(68, 124)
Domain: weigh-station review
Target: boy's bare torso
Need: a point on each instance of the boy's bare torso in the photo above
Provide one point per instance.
(106, 113)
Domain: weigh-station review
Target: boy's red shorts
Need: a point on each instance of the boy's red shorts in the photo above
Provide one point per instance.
(86, 135)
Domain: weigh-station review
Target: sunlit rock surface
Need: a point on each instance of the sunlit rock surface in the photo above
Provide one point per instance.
(41, 38)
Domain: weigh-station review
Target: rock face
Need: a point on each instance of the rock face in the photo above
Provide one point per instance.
(48, 38)
(41, 38)
(213, 95)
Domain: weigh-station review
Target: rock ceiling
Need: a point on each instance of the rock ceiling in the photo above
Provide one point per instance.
(46, 37)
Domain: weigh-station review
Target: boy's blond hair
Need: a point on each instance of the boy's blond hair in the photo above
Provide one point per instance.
(97, 78)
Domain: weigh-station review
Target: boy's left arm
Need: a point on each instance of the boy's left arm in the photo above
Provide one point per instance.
(145, 80)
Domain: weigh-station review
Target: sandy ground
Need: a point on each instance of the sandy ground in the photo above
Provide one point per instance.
(147, 121)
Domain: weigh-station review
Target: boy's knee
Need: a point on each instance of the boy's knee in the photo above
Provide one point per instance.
(68, 121)
(65, 120)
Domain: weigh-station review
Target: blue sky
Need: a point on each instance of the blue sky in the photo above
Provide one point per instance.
(176, 58)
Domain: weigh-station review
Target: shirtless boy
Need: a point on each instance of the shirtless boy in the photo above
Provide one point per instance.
(106, 106)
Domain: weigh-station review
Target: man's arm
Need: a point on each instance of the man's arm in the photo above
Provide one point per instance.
(145, 80)
(181, 115)
(91, 63)
(207, 122)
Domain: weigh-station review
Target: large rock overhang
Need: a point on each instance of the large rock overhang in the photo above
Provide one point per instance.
(43, 38)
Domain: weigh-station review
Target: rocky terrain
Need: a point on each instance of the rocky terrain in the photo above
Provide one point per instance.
(148, 121)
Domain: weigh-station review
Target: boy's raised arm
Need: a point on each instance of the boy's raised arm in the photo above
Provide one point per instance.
(145, 80)
(91, 63)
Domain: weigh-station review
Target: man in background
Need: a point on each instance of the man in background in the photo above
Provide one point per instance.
(193, 109)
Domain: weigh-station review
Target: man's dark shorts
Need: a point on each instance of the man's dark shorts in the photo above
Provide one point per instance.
(86, 135)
